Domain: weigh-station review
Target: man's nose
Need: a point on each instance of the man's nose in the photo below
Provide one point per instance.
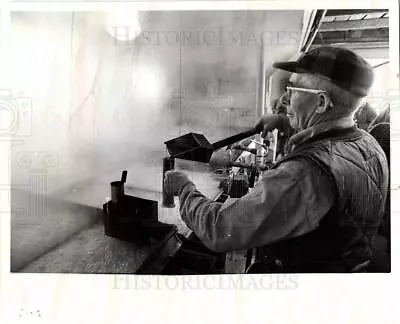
(284, 99)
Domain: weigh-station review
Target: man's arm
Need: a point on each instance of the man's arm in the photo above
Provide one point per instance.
(289, 201)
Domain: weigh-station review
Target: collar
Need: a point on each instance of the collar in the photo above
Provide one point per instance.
(314, 130)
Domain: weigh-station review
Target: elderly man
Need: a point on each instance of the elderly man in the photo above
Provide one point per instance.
(318, 209)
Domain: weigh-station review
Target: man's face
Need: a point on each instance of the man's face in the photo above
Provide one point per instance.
(300, 105)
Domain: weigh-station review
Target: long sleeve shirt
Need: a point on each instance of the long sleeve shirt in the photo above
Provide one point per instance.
(288, 201)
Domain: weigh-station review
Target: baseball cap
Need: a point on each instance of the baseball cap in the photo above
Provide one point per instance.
(338, 65)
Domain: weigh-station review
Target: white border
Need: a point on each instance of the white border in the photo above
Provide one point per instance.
(189, 5)
(91, 299)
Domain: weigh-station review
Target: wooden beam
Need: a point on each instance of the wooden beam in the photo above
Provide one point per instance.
(361, 41)
(361, 16)
(342, 12)
(355, 25)
(374, 15)
(358, 44)
(369, 51)
(353, 36)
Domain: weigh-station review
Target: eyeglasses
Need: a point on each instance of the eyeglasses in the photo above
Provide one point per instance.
(315, 91)
(290, 89)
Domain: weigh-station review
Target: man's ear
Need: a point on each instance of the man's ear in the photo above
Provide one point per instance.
(324, 102)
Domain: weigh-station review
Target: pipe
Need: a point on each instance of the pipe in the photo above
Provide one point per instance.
(236, 138)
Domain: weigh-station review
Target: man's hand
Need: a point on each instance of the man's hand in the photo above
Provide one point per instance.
(269, 122)
(174, 181)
